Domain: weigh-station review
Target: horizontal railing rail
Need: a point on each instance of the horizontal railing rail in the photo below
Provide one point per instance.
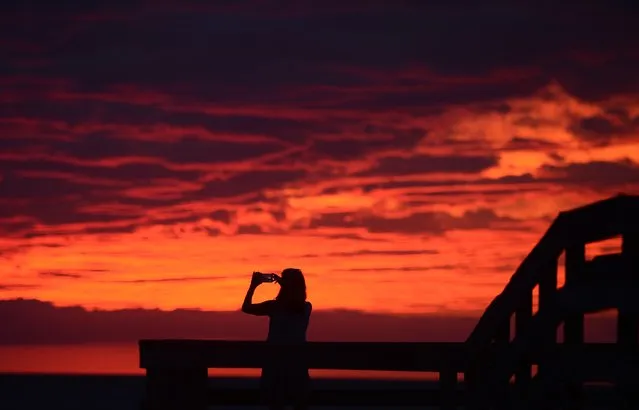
(425, 357)
(180, 367)
(593, 359)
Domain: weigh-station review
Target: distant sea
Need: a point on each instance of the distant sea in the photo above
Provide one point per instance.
(108, 377)
(99, 377)
(109, 392)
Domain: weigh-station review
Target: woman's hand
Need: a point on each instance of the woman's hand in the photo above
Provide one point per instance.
(277, 279)
(256, 279)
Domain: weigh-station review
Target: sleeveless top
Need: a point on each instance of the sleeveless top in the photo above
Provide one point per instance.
(287, 327)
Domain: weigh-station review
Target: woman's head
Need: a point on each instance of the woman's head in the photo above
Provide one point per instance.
(292, 286)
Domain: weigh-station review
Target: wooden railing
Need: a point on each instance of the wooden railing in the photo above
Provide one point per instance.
(604, 283)
(177, 369)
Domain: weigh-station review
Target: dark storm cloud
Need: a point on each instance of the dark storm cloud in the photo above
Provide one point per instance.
(249, 230)
(234, 57)
(601, 129)
(17, 286)
(138, 113)
(119, 175)
(89, 88)
(424, 164)
(103, 145)
(524, 144)
(35, 322)
(507, 180)
(55, 274)
(596, 174)
(247, 183)
(419, 223)
(379, 139)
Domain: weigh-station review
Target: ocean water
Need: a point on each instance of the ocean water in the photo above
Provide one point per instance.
(105, 377)
(108, 392)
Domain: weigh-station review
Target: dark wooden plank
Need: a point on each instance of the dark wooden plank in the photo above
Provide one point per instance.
(502, 335)
(319, 355)
(243, 354)
(592, 362)
(574, 323)
(547, 293)
(359, 397)
(628, 321)
(523, 319)
(601, 220)
(448, 389)
(176, 389)
(627, 381)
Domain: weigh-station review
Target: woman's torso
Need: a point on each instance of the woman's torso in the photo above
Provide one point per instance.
(288, 326)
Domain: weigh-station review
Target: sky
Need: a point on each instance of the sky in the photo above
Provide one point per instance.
(405, 155)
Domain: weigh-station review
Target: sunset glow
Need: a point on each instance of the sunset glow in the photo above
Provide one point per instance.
(154, 159)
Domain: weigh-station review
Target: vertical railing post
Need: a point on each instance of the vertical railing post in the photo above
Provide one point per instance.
(628, 321)
(448, 388)
(502, 341)
(523, 318)
(547, 291)
(472, 379)
(574, 322)
(175, 388)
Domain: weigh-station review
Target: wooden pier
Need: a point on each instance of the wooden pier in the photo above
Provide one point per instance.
(495, 363)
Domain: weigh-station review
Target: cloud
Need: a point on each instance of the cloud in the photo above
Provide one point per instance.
(418, 223)
(37, 322)
(397, 252)
(424, 164)
(401, 268)
(601, 129)
(374, 141)
(17, 286)
(595, 174)
(179, 279)
(60, 274)
(526, 144)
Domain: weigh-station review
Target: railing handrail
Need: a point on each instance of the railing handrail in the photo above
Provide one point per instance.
(590, 223)
(391, 356)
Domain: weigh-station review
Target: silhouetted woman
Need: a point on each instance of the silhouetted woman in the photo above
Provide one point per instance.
(285, 378)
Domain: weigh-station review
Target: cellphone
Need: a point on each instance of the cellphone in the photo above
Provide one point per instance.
(267, 277)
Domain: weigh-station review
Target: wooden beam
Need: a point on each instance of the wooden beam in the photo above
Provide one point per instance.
(601, 220)
(176, 388)
(396, 397)
(626, 382)
(628, 322)
(575, 262)
(523, 319)
(448, 388)
(574, 323)
(547, 293)
(428, 357)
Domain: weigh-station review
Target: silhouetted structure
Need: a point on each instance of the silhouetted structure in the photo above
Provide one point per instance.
(606, 282)
(491, 356)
